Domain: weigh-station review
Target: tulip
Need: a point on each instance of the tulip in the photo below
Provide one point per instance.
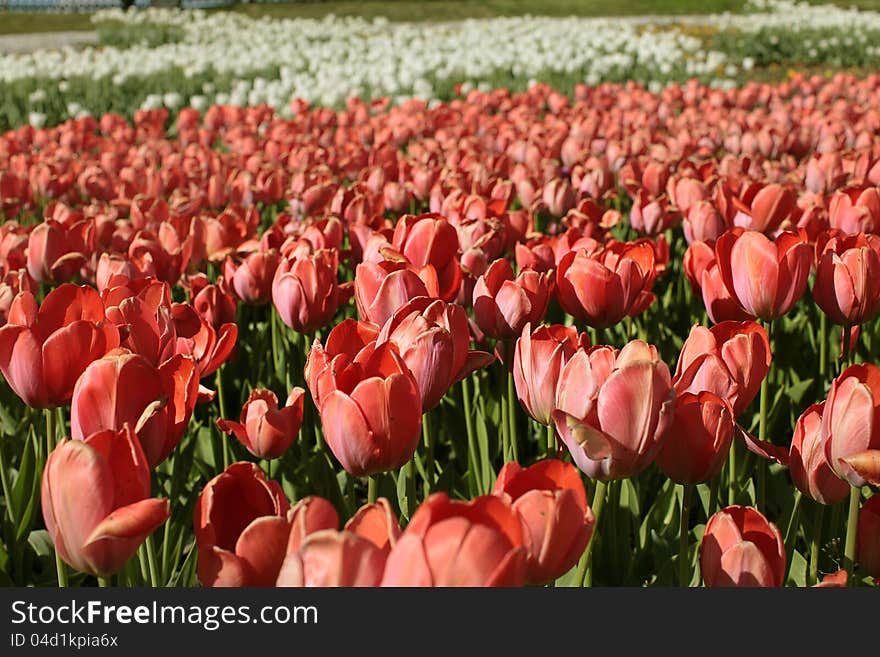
(241, 528)
(44, 350)
(195, 337)
(430, 240)
(869, 536)
(855, 210)
(765, 277)
(851, 425)
(731, 360)
(433, 339)
(538, 359)
(703, 223)
(742, 548)
(305, 292)
(846, 287)
(377, 523)
(698, 439)
(371, 412)
(309, 515)
(503, 305)
(552, 505)
(767, 209)
(250, 278)
(382, 288)
(96, 501)
(330, 558)
(451, 543)
(125, 388)
(613, 409)
(57, 252)
(265, 430)
(604, 288)
(348, 338)
(213, 302)
(810, 469)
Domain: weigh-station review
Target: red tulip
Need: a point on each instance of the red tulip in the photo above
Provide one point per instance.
(382, 288)
(377, 523)
(194, 337)
(124, 388)
(698, 257)
(241, 528)
(855, 210)
(433, 338)
(330, 558)
(766, 277)
(703, 223)
(742, 548)
(305, 292)
(251, 277)
(429, 239)
(309, 515)
(846, 287)
(504, 304)
(552, 505)
(44, 350)
(869, 536)
(731, 360)
(537, 362)
(851, 425)
(451, 543)
(57, 252)
(348, 337)
(213, 302)
(698, 439)
(371, 411)
(265, 430)
(768, 207)
(810, 470)
(96, 501)
(613, 409)
(603, 288)
(720, 305)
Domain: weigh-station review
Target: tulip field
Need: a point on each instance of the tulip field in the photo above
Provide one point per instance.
(614, 324)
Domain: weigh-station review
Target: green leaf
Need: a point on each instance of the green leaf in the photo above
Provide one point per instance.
(797, 572)
(41, 542)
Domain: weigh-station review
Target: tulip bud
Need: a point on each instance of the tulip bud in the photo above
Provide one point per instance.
(742, 548)
(504, 304)
(265, 430)
(810, 470)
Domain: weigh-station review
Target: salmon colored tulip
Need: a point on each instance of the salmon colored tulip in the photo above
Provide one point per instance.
(810, 470)
(537, 362)
(433, 338)
(430, 240)
(851, 425)
(195, 337)
(377, 523)
(348, 338)
(96, 501)
(305, 292)
(452, 543)
(309, 515)
(869, 536)
(330, 558)
(855, 210)
(124, 388)
(266, 430)
(371, 411)
(603, 288)
(699, 438)
(703, 223)
(742, 548)
(721, 305)
(766, 277)
(213, 301)
(613, 409)
(44, 350)
(242, 528)
(730, 359)
(846, 286)
(382, 288)
(764, 209)
(552, 505)
(56, 252)
(250, 278)
(503, 304)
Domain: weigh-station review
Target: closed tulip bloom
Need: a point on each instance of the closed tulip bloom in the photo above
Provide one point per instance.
(703, 223)
(742, 548)
(381, 288)
(552, 505)
(347, 338)
(330, 558)
(603, 288)
(869, 536)
(730, 359)
(846, 286)
(855, 210)
(430, 240)
(44, 350)
(377, 523)
(767, 209)
(213, 301)
(241, 528)
(537, 362)
(698, 257)
(311, 514)
(433, 338)
(250, 278)
(766, 277)
(698, 439)
(452, 543)
(124, 388)
(851, 425)
(721, 305)
(503, 304)
(372, 412)
(613, 409)
(305, 292)
(96, 501)
(266, 430)
(57, 252)
(809, 468)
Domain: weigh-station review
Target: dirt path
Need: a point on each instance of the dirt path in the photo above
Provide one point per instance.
(35, 41)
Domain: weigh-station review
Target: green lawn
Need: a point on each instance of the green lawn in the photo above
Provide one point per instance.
(422, 10)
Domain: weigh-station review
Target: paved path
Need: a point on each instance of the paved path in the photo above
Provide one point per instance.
(37, 40)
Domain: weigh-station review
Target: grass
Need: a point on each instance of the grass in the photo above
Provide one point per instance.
(420, 10)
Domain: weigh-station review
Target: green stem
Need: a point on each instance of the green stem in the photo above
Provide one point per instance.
(791, 530)
(847, 347)
(104, 582)
(852, 526)
(60, 567)
(227, 460)
(551, 440)
(823, 346)
(471, 437)
(762, 436)
(512, 404)
(5, 483)
(428, 437)
(815, 542)
(684, 564)
(584, 574)
(372, 489)
(151, 561)
(731, 476)
(713, 496)
(505, 431)
(410, 487)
